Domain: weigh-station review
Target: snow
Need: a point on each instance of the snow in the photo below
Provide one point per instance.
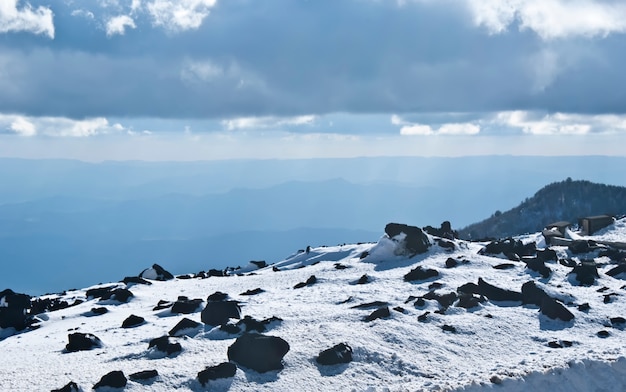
(496, 346)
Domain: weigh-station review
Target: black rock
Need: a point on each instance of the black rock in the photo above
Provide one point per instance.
(550, 307)
(603, 334)
(162, 304)
(133, 321)
(378, 313)
(183, 326)
(513, 249)
(468, 301)
(82, 341)
(144, 375)
(586, 273)
(340, 266)
(157, 273)
(163, 344)
(135, 280)
(445, 300)
(538, 265)
(232, 329)
(217, 296)
(120, 295)
(99, 292)
(215, 272)
(420, 302)
(504, 266)
(620, 269)
(448, 328)
(419, 273)
(69, 387)
(451, 263)
(581, 246)
(259, 264)
(256, 291)
(446, 244)
(469, 288)
(218, 313)
(311, 280)
(340, 353)
(368, 305)
(400, 309)
(186, 306)
(416, 241)
(618, 321)
(14, 312)
(547, 255)
(258, 352)
(223, 370)
(423, 317)
(114, 379)
(497, 294)
(363, 280)
(584, 307)
(99, 311)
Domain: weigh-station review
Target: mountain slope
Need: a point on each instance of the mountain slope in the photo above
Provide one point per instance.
(566, 200)
(421, 345)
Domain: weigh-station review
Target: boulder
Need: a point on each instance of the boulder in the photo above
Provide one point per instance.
(69, 387)
(114, 379)
(444, 231)
(340, 353)
(82, 341)
(258, 352)
(620, 269)
(217, 296)
(184, 327)
(586, 273)
(218, 313)
(309, 282)
(419, 273)
(156, 272)
(186, 306)
(135, 280)
(144, 375)
(163, 345)
(119, 295)
(550, 307)
(256, 291)
(538, 265)
(497, 294)
(14, 309)
(259, 264)
(415, 241)
(223, 370)
(381, 312)
(133, 321)
(512, 249)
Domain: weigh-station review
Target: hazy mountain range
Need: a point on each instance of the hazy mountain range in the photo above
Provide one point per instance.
(71, 216)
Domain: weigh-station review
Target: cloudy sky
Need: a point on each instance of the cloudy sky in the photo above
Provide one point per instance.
(216, 79)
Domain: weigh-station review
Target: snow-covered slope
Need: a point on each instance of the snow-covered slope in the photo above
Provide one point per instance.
(503, 346)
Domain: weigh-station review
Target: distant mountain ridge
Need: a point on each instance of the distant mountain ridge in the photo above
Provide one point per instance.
(566, 200)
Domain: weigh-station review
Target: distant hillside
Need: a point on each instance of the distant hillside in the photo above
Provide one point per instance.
(566, 200)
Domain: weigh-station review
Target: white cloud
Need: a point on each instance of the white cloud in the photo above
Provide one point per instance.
(57, 126)
(135, 5)
(416, 129)
(179, 15)
(27, 19)
(118, 25)
(203, 71)
(561, 123)
(551, 19)
(83, 13)
(267, 122)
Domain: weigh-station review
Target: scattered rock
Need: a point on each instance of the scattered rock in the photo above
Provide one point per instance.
(618, 321)
(162, 304)
(363, 280)
(582, 246)
(163, 345)
(550, 307)
(133, 321)
(497, 294)
(259, 264)
(419, 273)
(444, 231)
(82, 341)
(186, 306)
(620, 269)
(449, 245)
(584, 307)
(512, 249)
(156, 272)
(603, 334)
(368, 305)
(144, 375)
(99, 292)
(216, 272)
(340, 353)
(217, 296)
(135, 280)
(256, 291)
(448, 328)
(504, 266)
(119, 295)
(309, 282)
(114, 379)
(400, 309)
(223, 370)
(218, 313)
(586, 273)
(423, 317)
(258, 352)
(14, 310)
(608, 298)
(415, 241)
(468, 301)
(382, 312)
(340, 266)
(184, 327)
(547, 255)
(538, 265)
(69, 387)
(445, 300)
(451, 263)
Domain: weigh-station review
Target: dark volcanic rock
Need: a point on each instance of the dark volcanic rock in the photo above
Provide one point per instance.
(135, 280)
(258, 352)
(620, 269)
(586, 273)
(446, 244)
(99, 292)
(216, 272)
(217, 296)
(363, 280)
(144, 375)
(82, 341)
(99, 311)
(444, 231)
(368, 305)
(310, 281)
(550, 307)
(448, 328)
(415, 241)
(156, 272)
(133, 321)
(504, 266)
(451, 263)
(547, 255)
(114, 379)
(538, 265)
(497, 294)
(162, 304)
(378, 313)
(259, 264)
(468, 301)
(14, 312)
(119, 295)
(186, 306)
(512, 249)
(340, 353)
(163, 344)
(445, 300)
(256, 291)
(69, 387)
(582, 246)
(419, 273)
(183, 327)
(218, 313)
(223, 370)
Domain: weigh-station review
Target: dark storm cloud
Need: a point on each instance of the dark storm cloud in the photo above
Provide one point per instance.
(288, 57)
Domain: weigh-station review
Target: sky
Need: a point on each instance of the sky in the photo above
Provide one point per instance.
(215, 79)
